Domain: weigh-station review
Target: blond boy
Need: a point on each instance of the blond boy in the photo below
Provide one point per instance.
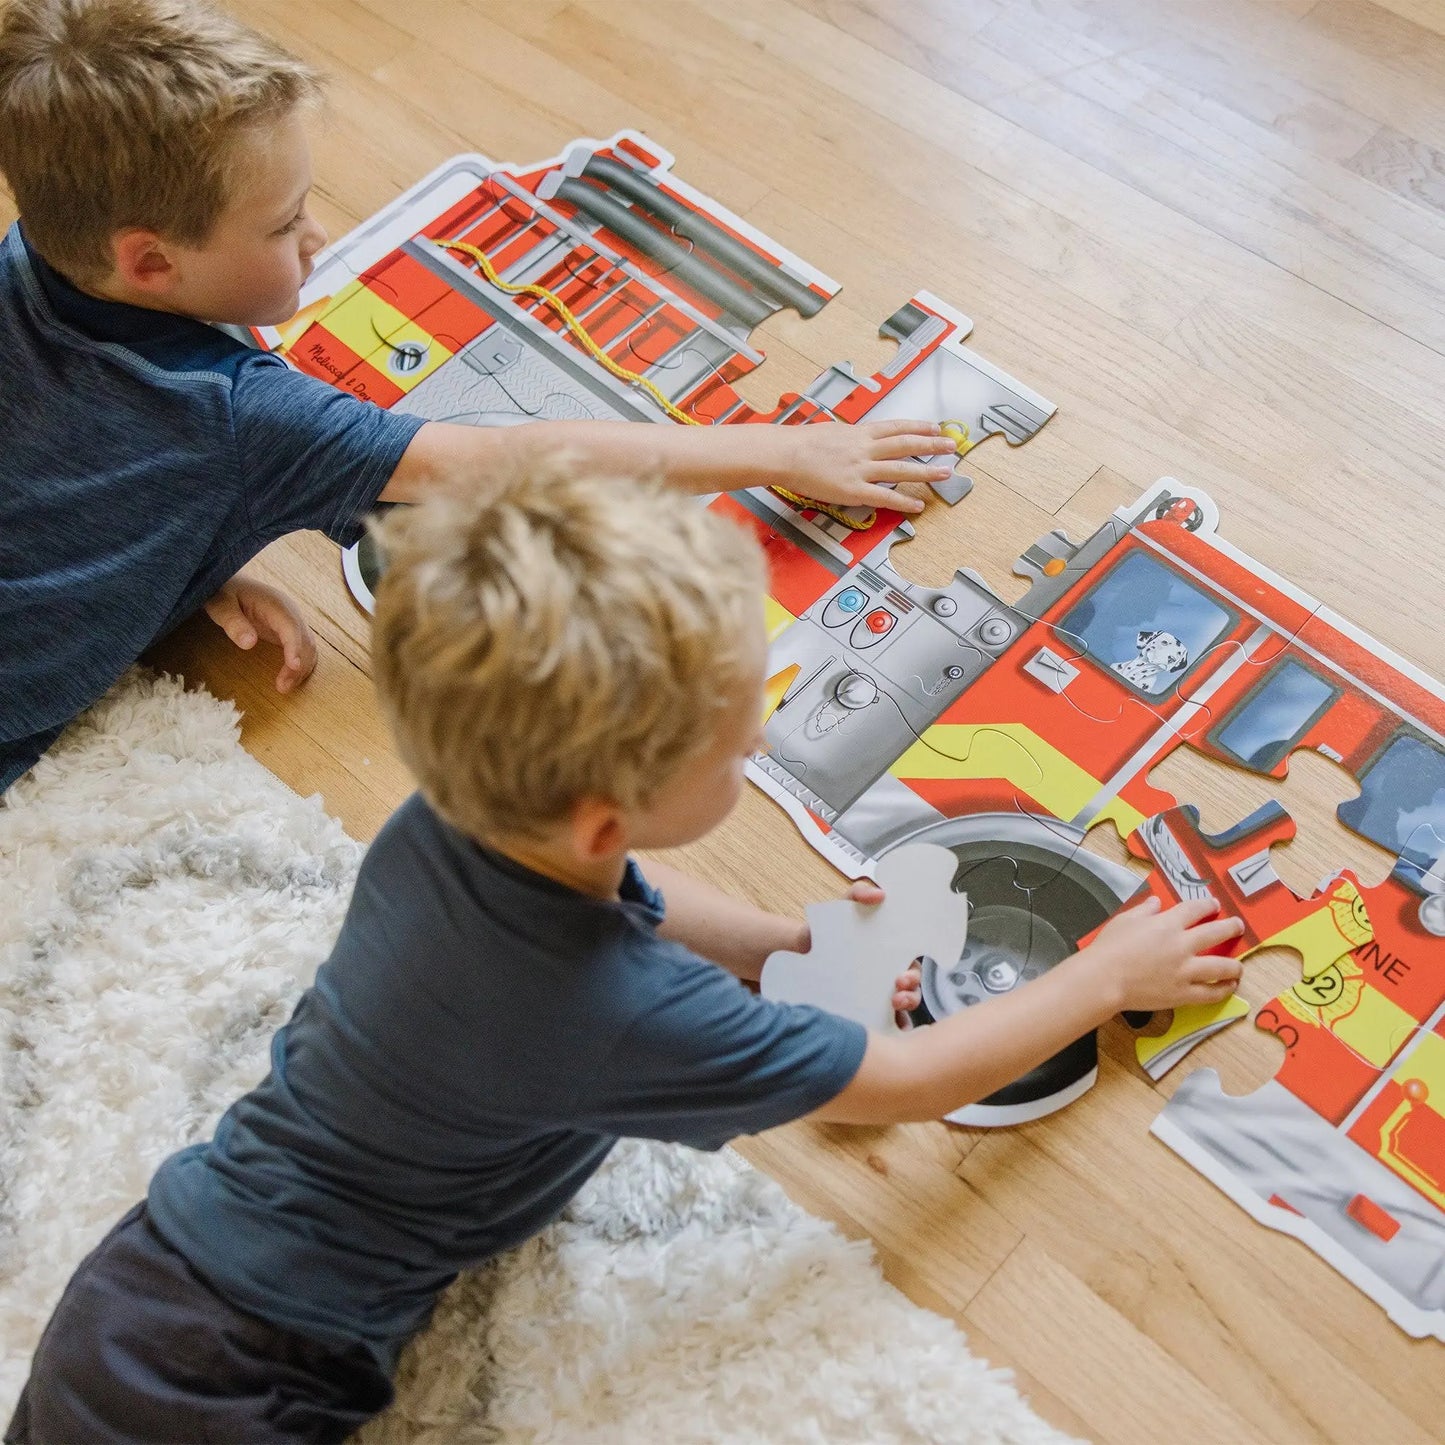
(573, 671)
(157, 153)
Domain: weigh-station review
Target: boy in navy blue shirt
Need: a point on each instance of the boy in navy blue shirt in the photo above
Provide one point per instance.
(573, 671)
(157, 155)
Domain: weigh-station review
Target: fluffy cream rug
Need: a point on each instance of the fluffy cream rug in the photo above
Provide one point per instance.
(163, 899)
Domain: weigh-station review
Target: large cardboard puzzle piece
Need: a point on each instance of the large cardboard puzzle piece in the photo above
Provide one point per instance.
(1001, 731)
(858, 951)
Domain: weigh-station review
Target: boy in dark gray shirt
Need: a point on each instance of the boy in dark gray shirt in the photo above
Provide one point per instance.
(573, 671)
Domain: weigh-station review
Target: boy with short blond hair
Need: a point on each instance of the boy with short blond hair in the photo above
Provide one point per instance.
(575, 671)
(157, 153)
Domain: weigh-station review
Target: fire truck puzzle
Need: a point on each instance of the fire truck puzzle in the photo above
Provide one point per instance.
(598, 285)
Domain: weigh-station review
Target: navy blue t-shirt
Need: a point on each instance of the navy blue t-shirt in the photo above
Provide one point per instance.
(144, 459)
(475, 1044)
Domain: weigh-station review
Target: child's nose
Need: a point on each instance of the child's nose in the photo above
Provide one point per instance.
(315, 238)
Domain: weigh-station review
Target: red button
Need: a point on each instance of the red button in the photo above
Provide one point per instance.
(880, 621)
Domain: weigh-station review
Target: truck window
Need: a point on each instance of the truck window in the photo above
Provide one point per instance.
(1274, 716)
(1145, 624)
(1402, 802)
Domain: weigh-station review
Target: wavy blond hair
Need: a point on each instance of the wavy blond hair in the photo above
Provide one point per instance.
(552, 637)
(122, 113)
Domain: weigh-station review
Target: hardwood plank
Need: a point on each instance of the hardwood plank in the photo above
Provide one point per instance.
(1259, 202)
(1267, 38)
(1271, 97)
(1062, 1331)
(1428, 13)
(897, 1186)
(1397, 41)
(1404, 165)
(943, 43)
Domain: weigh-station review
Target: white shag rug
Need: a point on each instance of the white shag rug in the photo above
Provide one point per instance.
(163, 900)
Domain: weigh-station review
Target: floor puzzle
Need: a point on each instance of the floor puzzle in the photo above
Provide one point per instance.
(1000, 731)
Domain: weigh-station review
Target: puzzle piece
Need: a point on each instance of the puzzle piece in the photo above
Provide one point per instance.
(1234, 867)
(1349, 1133)
(1188, 1027)
(1402, 799)
(1032, 892)
(857, 950)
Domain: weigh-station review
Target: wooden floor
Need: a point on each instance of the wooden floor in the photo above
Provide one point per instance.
(1214, 232)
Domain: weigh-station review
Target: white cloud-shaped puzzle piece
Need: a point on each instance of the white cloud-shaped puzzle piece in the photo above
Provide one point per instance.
(859, 949)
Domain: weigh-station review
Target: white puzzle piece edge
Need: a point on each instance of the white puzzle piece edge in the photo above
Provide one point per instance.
(859, 949)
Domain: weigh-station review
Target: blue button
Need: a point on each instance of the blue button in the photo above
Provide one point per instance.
(850, 600)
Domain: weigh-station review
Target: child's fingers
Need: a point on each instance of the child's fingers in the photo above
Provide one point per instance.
(912, 444)
(869, 494)
(238, 628)
(1213, 968)
(865, 891)
(226, 612)
(1195, 910)
(908, 471)
(904, 426)
(1204, 936)
(1203, 993)
(299, 652)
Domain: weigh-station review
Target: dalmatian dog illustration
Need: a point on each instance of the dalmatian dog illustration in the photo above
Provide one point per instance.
(1160, 655)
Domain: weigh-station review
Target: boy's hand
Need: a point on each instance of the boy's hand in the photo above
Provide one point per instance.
(249, 612)
(1153, 958)
(907, 995)
(842, 464)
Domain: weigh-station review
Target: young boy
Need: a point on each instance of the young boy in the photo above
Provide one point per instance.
(157, 155)
(573, 672)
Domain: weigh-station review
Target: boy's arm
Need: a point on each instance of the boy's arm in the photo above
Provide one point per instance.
(829, 461)
(1143, 959)
(716, 926)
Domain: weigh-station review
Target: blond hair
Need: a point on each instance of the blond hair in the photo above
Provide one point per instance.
(129, 113)
(549, 638)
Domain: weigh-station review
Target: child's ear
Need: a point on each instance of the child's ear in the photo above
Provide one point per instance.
(143, 261)
(597, 828)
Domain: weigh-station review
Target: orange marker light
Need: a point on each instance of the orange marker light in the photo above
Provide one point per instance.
(777, 687)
